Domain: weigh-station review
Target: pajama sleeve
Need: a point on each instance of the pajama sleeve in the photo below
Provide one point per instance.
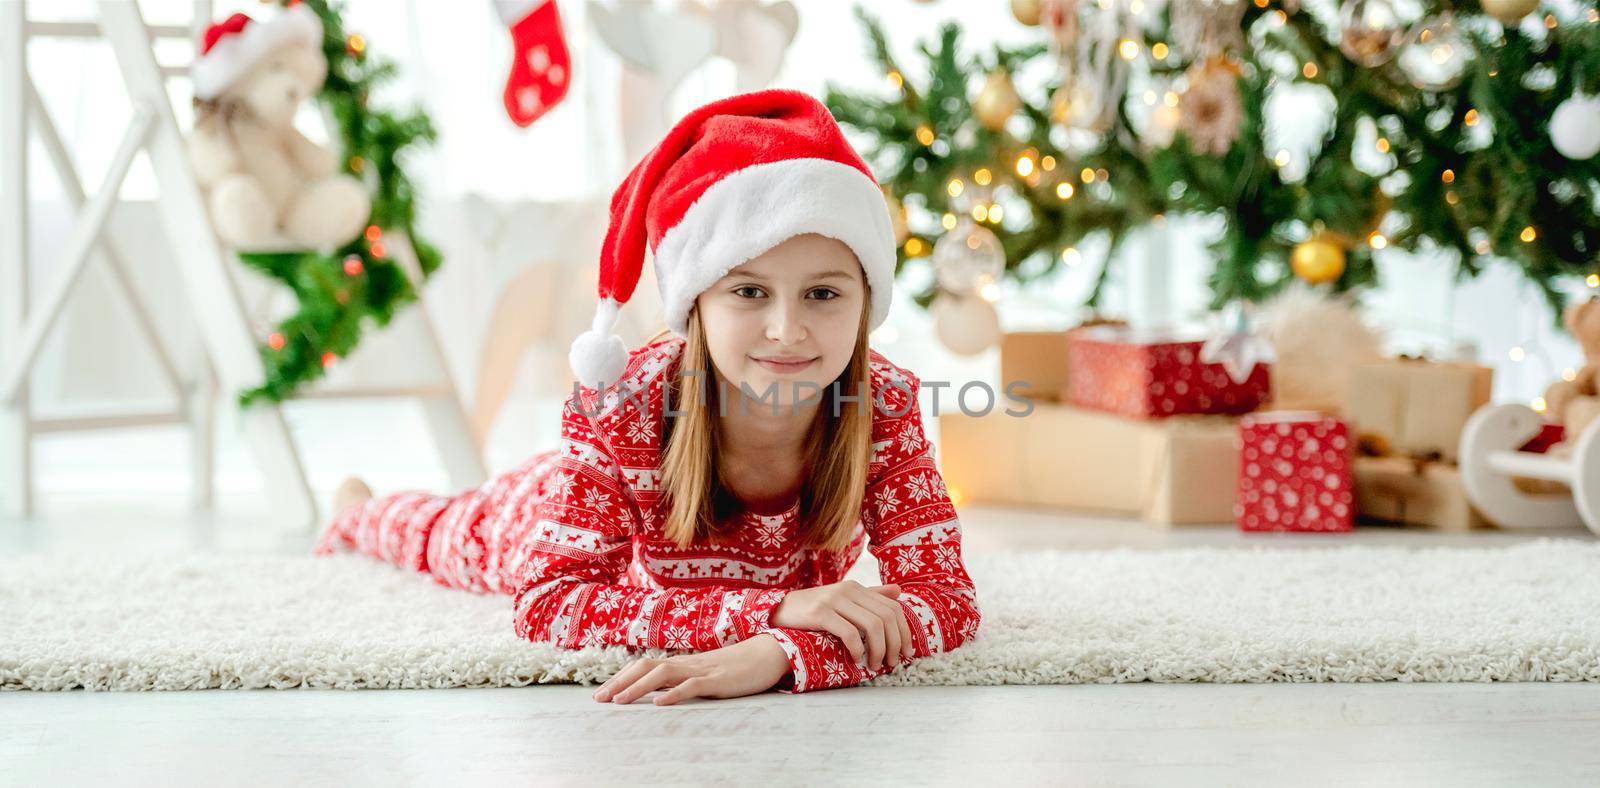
(913, 532)
(568, 589)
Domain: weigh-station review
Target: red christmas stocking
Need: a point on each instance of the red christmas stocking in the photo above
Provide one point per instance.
(541, 69)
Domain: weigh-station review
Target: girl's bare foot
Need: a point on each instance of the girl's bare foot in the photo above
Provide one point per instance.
(352, 492)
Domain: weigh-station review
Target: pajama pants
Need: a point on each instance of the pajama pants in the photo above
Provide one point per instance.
(474, 540)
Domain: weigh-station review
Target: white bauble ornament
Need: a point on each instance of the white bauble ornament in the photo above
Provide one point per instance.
(997, 101)
(968, 257)
(1575, 127)
(966, 324)
(1370, 31)
(1437, 53)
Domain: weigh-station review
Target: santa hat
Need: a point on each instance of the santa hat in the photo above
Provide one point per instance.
(731, 180)
(234, 45)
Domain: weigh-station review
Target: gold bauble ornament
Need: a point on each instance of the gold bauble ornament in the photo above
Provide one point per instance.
(1509, 12)
(1317, 261)
(1027, 12)
(997, 102)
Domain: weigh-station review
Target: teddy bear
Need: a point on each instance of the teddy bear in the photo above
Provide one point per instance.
(1576, 402)
(265, 183)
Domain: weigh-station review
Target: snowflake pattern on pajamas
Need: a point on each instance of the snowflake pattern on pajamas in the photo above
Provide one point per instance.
(574, 537)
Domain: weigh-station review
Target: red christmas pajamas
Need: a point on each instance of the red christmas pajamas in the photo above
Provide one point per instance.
(574, 537)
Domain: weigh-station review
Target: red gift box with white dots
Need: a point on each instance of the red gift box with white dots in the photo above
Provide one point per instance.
(1153, 374)
(1295, 473)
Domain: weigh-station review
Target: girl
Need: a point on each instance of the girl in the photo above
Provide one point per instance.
(713, 487)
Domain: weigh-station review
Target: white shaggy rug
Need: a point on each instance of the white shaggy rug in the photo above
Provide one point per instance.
(1529, 612)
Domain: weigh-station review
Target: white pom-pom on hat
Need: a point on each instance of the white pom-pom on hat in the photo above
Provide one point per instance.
(598, 356)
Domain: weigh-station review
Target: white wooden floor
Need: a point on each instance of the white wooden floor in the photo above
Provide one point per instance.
(1403, 734)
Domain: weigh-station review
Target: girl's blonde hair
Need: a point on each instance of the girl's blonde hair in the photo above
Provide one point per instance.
(837, 450)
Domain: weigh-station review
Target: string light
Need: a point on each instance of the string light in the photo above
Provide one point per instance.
(355, 44)
(924, 135)
(982, 177)
(954, 187)
(1450, 197)
(352, 264)
(1517, 353)
(1383, 145)
(949, 221)
(1102, 174)
(1281, 159)
(996, 213)
(1280, 16)
(989, 292)
(980, 212)
(1261, 3)
(1071, 256)
(1448, 176)
(1471, 117)
(1537, 403)
(1528, 234)
(1550, 21)
(1064, 190)
(328, 359)
(357, 163)
(1047, 163)
(1592, 280)
(1149, 97)
(1024, 166)
(914, 247)
(378, 251)
(1569, 374)
(1310, 70)
(1087, 176)
(276, 341)
(896, 79)
(1377, 241)
(1159, 51)
(373, 233)
(1129, 49)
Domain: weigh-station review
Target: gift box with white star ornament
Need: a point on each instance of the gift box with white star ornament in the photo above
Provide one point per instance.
(1156, 373)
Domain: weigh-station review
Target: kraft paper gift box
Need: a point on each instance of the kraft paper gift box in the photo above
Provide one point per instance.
(1402, 490)
(1170, 471)
(1154, 373)
(1037, 357)
(1416, 406)
(1295, 473)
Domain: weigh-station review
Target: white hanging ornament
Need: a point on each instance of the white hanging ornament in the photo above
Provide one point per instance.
(968, 257)
(997, 101)
(966, 324)
(1575, 127)
(1234, 344)
(1437, 53)
(1370, 31)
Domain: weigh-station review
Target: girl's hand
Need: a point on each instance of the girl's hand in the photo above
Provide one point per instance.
(751, 666)
(852, 611)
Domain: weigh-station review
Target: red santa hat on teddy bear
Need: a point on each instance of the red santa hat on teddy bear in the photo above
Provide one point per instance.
(731, 180)
(233, 46)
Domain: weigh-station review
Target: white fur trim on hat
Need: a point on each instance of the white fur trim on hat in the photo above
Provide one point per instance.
(233, 55)
(754, 209)
(598, 357)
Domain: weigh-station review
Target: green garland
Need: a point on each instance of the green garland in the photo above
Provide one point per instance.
(1478, 210)
(359, 281)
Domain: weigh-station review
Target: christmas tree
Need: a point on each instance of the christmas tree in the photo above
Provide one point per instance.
(1479, 119)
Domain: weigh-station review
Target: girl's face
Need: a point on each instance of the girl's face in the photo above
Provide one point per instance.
(799, 301)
